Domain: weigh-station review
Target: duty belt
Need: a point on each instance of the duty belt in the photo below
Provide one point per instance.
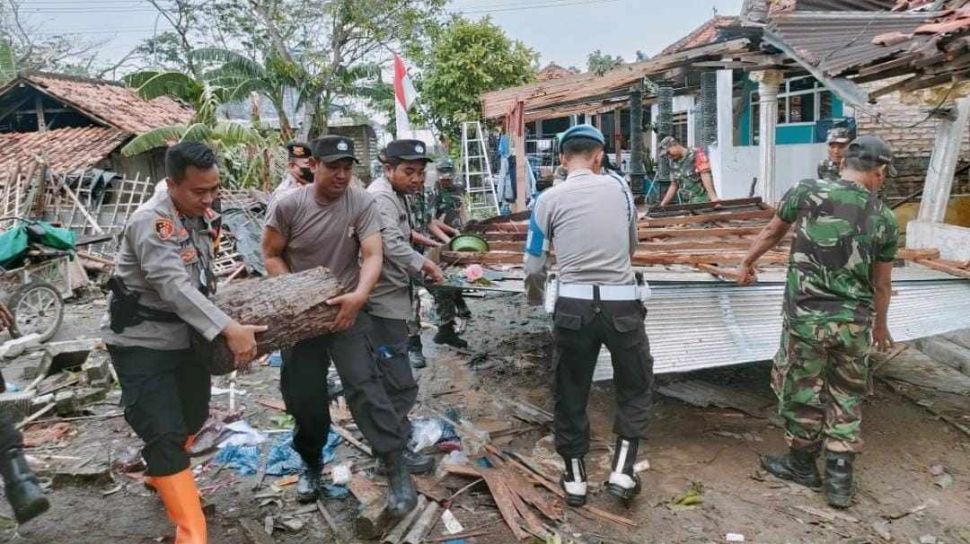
(599, 292)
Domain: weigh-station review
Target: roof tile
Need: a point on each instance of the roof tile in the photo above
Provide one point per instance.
(112, 103)
(64, 149)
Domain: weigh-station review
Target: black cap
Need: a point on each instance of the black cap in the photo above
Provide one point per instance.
(298, 150)
(871, 148)
(407, 150)
(333, 148)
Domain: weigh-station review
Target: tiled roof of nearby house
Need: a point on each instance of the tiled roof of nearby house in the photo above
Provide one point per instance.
(63, 149)
(705, 34)
(112, 104)
(553, 71)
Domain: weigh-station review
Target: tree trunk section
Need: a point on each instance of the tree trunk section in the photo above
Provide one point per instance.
(293, 306)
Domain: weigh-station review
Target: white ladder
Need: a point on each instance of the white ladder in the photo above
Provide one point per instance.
(477, 172)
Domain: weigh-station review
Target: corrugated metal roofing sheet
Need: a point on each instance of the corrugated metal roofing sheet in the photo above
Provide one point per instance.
(838, 41)
(705, 326)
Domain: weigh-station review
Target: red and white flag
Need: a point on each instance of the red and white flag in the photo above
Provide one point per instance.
(404, 96)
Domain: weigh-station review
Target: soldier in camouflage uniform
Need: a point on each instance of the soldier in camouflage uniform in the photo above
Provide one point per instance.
(838, 138)
(690, 174)
(420, 222)
(836, 302)
(447, 212)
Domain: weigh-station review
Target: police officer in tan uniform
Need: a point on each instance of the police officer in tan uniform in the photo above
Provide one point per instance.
(163, 276)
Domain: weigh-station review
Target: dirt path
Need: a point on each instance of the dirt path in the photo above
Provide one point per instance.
(712, 449)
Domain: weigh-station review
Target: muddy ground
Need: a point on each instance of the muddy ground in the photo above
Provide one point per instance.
(914, 477)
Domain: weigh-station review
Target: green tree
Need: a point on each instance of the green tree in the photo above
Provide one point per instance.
(241, 148)
(466, 59)
(333, 45)
(599, 63)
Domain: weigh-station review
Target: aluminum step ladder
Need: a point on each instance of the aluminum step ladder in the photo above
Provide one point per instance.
(477, 172)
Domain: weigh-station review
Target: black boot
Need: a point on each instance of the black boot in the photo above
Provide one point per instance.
(461, 308)
(21, 486)
(415, 461)
(624, 482)
(839, 487)
(447, 335)
(416, 352)
(796, 466)
(573, 482)
(401, 496)
(308, 486)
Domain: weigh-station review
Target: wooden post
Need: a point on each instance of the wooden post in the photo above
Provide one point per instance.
(39, 109)
(636, 139)
(618, 136)
(521, 177)
(768, 83)
(943, 162)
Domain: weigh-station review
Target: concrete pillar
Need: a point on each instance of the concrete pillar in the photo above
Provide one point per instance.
(665, 113)
(943, 162)
(724, 139)
(768, 84)
(636, 140)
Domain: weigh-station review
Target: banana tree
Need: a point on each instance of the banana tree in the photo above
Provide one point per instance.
(241, 76)
(226, 137)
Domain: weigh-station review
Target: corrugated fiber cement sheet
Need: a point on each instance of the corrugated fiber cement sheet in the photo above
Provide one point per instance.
(692, 327)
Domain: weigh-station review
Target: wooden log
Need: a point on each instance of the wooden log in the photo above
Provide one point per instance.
(720, 272)
(907, 254)
(508, 227)
(946, 267)
(665, 211)
(293, 306)
(506, 236)
(707, 218)
(651, 233)
(735, 245)
(424, 524)
(726, 257)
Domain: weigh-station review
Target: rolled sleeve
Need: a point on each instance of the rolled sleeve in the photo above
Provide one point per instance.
(397, 246)
(165, 272)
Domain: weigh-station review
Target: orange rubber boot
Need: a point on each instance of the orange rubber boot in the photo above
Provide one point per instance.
(181, 499)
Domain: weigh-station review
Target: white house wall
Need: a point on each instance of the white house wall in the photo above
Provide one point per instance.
(733, 172)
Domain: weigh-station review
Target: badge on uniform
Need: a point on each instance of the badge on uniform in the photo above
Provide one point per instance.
(351, 232)
(164, 228)
(188, 254)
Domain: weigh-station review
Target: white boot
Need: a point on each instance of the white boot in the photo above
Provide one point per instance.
(573, 482)
(624, 482)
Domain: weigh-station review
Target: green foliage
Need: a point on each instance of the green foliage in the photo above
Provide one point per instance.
(8, 63)
(465, 60)
(599, 63)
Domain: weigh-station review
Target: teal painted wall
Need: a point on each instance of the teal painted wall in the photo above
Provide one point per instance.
(784, 134)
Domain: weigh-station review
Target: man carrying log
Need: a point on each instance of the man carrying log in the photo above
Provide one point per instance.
(333, 224)
(591, 220)
(836, 304)
(163, 276)
(390, 303)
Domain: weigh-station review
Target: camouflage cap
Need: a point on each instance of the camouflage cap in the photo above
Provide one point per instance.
(666, 143)
(838, 135)
(445, 165)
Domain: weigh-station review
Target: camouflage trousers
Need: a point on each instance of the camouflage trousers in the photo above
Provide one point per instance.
(821, 376)
(446, 306)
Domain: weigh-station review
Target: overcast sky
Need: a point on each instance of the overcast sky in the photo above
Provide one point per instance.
(563, 31)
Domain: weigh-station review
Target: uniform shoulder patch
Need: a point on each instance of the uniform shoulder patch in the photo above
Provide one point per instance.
(164, 228)
(188, 254)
